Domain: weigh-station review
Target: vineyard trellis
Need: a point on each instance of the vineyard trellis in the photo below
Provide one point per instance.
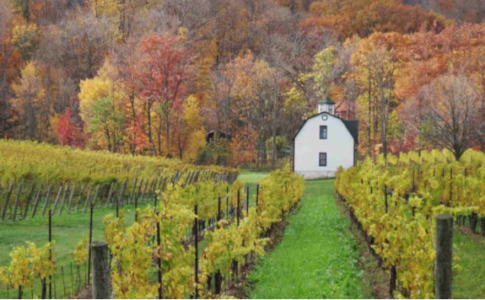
(173, 222)
(27, 200)
(395, 201)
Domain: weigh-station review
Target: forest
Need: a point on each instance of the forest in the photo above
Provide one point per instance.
(153, 77)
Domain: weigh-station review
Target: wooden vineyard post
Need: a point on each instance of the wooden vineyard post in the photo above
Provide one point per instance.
(138, 194)
(144, 190)
(237, 210)
(257, 196)
(110, 194)
(227, 203)
(80, 198)
(136, 206)
(247, 201)
(115, 195)
(87, 200)
(133, 191)
(444, 257)
(50, 252)
(17, 201)
(37, 200)
(385, 199)
(57, 199)
(219, 210)
(100, 264)
(5, 208)
(69, 204)
(196, 242)
(393, 281)
(218, 275)
(95, 196)
(47, 200)
(123, 191)
(155, 195)
(159, 244)
(29, 199)
(118, 207)
(63, 199)
(90, 241)
(451, 184)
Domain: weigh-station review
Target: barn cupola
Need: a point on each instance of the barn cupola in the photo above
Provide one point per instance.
(327, 106)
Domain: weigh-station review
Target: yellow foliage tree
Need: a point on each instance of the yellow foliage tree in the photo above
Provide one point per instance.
(102, 109)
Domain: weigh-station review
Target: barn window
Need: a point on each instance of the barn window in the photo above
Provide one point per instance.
(323, 132)
(323, 159)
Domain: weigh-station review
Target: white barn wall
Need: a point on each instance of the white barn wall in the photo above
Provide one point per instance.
(339, 147)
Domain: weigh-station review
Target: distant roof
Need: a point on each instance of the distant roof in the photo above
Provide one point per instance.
(326, 101)
(352, 126)
(210, 135)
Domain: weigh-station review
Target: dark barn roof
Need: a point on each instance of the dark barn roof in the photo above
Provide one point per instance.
(353, 127)
(210, 135)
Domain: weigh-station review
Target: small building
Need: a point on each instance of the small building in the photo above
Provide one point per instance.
(211, 135)
(324, 143)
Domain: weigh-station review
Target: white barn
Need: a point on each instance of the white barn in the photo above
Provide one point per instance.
(324, 143)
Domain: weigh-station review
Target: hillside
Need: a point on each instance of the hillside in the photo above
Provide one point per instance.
(464, 10)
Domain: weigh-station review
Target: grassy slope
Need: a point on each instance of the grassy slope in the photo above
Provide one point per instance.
(317, 257)
(67, 231)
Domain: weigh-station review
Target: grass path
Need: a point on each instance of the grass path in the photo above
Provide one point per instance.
(317, 257)
(468, 284)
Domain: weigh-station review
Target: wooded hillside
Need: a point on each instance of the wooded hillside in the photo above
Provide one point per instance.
(152, 77)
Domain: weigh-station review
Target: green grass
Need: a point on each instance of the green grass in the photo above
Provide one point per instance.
(67, 231)
(468, 284)
(317, 257)
(251, 180)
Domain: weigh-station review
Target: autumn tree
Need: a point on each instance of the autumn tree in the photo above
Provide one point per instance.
(67, 131)
(375, 68)
(7, 51)
(164, 72)
(28, 104)
(191, 133)
(259, 98)
(364, 17)
(452, 118)
(102, 109)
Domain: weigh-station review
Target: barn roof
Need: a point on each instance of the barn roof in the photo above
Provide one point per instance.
(352, 126)
(326, 101)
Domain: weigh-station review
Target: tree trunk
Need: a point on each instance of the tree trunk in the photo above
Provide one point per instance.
(167, 131)
(273, 156)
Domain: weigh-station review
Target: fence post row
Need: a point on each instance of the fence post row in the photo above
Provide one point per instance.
(66, 194)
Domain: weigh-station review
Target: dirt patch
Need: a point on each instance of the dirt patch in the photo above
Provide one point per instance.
(376, 279)
(86, 293)
(474, 237)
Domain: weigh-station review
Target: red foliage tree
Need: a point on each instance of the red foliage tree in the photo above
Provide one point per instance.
(68, 132)
(166, 68)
